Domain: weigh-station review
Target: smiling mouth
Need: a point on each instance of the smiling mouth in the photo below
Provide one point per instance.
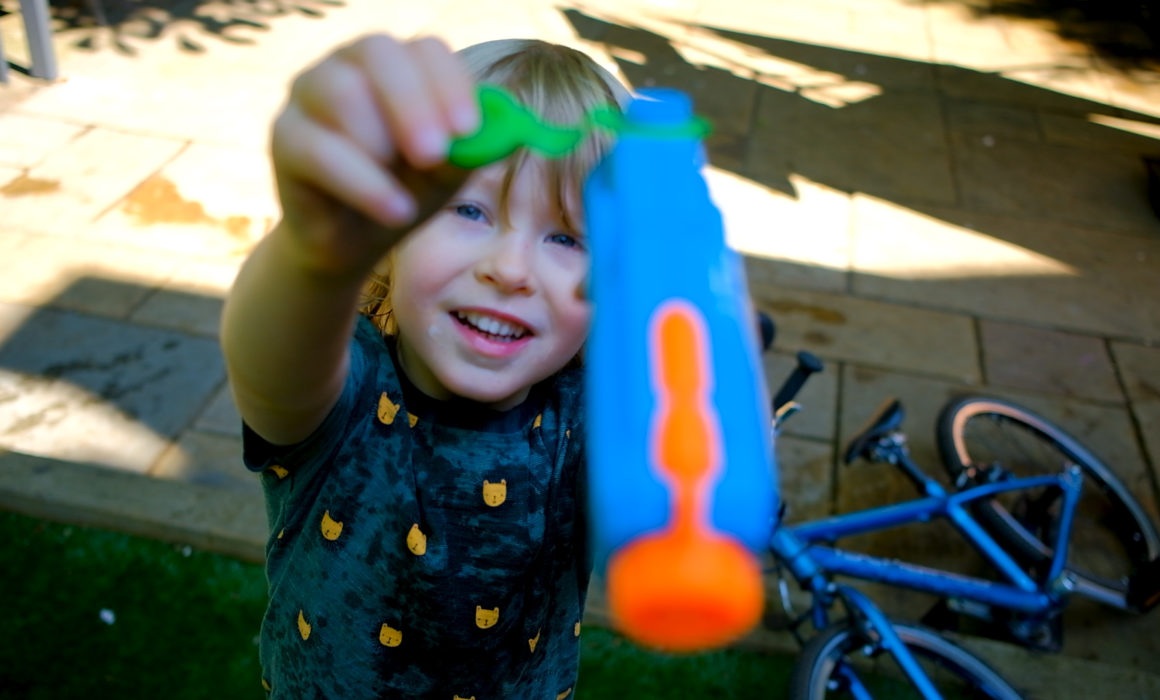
(493, 328)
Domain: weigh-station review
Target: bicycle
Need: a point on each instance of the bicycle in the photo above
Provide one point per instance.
(1022, 523)
(675, 526)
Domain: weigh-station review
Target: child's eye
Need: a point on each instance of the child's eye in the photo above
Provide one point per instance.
(567, 240)
(469, 211)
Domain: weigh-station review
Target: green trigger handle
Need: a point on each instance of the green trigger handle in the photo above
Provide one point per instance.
(506, 126)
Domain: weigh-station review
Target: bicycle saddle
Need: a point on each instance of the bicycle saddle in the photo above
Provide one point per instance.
(886, 421)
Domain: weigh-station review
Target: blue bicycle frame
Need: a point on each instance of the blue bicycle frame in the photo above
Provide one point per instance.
(799, 548)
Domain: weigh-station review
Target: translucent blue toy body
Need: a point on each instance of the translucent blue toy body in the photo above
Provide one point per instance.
(659, 252)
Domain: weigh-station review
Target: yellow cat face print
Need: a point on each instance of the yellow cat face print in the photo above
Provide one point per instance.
(486, 618)
(494, 494)
(416, 541)
(389, 636)
(387, 409)
(331, 528)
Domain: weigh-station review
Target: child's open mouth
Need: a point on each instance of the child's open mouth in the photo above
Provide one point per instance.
(492, 328)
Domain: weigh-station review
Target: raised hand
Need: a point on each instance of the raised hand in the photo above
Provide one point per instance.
(360, 148)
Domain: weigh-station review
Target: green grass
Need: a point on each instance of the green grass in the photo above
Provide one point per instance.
(184, 625)
(611, 667)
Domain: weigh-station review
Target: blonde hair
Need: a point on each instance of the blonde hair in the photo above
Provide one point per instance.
(558, 83)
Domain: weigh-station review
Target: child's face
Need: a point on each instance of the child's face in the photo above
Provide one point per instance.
(488, 295)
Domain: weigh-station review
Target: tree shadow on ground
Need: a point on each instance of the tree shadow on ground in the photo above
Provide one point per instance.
(1016, 168)
(950, 156)
(122, 23)
(98, 387)
(1125, 32)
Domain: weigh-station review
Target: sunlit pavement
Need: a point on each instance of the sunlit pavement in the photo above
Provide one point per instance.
(929, 199)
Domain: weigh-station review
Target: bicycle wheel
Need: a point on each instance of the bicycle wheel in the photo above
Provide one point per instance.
(818, 671)
(1112, 536)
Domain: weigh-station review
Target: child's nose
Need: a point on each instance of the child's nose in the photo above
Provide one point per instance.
(507, 264)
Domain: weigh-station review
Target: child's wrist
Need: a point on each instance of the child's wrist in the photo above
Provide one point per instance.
(318, 261)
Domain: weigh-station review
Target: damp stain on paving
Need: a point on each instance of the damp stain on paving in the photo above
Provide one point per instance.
(157, 201)
(818, 313)
(23, 185)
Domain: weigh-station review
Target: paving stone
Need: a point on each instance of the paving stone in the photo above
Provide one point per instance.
(891, 29)
(26, 141)
(1047, 361)
(74, 185)
(815, 21)
(800, 238)
(718, 95)
(847, 328)
(765, 271)
(1099, 189)
(1008, 268)
(207, 459)
(198, 314)
(1107, 130)
(223, 103)
(649, 55)
(1147, 413)
(1009, 61)
(832, 71)
(210, 201)
(1071, 86)
(893, 145)
(986, 119)
(191, 299)
(805, 471)
(1135, 90)
(78, 274)
(818, 398)
(94, 390)
(960, 33)
(1140, 369)
(220, 416)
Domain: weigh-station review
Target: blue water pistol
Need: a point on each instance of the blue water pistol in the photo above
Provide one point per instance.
(682, 481)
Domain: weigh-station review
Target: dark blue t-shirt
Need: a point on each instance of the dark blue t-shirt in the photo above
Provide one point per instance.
(422, 548)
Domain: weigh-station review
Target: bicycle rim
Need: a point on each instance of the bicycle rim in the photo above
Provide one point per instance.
(1112, 535)
(956, 673)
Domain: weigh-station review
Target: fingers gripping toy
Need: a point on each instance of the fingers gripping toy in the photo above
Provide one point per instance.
(682, 486)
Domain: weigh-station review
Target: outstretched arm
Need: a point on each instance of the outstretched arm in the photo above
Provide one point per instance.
(359, 159)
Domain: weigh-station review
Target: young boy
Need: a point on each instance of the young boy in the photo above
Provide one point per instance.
(403, 350)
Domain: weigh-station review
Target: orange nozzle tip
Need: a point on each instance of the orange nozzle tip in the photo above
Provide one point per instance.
(684, 596)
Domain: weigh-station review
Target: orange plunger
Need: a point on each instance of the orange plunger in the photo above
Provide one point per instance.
(687, 587)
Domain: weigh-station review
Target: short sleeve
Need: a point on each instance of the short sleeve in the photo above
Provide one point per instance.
(259, 455)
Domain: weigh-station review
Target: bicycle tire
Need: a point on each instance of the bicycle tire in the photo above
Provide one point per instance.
(960, 673)
(1104, 555)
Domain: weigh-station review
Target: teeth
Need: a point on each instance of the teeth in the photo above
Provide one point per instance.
(491, 325)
